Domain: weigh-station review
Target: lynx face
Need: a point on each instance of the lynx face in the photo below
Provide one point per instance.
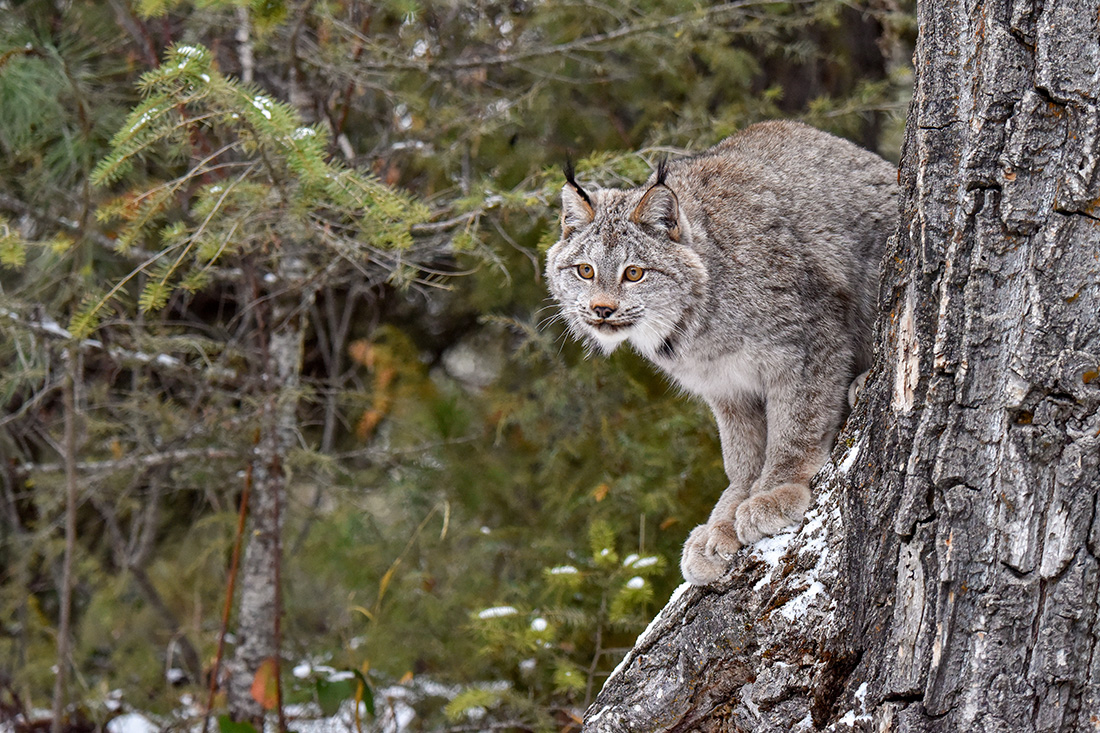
(622, 270)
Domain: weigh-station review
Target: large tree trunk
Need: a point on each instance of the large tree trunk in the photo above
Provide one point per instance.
(947, 577)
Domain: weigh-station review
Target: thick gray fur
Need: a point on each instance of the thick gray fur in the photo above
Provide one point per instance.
(760, 263)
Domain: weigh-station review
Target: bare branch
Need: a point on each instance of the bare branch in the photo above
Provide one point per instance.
(584, 43)
(151, 460)
(15, 205)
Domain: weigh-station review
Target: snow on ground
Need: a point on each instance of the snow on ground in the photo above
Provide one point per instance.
(132, 723)
(394, 712)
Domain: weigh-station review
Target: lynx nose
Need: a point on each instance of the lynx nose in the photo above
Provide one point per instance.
(602, 309)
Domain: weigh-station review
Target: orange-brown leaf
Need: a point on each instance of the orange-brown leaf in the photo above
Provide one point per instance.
(366, 425)
(265, 685)
(362, 353)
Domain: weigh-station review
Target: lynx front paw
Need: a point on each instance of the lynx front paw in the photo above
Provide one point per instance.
(765, 514)
(708, 552)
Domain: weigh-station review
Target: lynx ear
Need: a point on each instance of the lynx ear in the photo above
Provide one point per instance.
(576, 207)
(660, 210)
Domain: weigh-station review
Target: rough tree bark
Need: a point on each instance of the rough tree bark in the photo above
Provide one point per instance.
(947, 577)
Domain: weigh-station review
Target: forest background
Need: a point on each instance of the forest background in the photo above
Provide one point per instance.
(476, 518)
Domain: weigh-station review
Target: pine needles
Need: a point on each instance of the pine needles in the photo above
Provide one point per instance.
(269, 186)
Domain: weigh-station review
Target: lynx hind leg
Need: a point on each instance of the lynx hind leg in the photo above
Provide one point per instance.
(765, 514)
(856, 387)
(708, 552)
(802, 420)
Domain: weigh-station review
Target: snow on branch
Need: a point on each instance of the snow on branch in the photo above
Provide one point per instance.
(46, 326)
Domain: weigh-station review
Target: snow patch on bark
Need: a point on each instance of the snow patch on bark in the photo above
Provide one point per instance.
(850, 718)
(797, 606)
(813, 540)
(852, 454)
(814, 536)
(771, 549)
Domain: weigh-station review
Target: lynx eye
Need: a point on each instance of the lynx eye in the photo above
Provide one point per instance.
(586, 271)
(633, 274)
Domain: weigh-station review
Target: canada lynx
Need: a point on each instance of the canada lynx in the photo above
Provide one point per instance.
(748, 274)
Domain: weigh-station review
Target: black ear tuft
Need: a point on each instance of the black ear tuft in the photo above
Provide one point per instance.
(570, 176)
(662, 170)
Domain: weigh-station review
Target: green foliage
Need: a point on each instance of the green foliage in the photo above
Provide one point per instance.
(331, 694)
(227, 725)
(13, 250)
(470, 700)
(587, 605)
(277, 186)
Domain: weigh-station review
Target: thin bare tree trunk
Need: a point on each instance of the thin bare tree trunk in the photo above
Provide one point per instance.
(259, 609)
(947, 578)
(244, 44)
(65, 589)
(20, 575)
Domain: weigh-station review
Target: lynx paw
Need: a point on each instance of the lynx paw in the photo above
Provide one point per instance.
(708, 552)
(767, 513)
